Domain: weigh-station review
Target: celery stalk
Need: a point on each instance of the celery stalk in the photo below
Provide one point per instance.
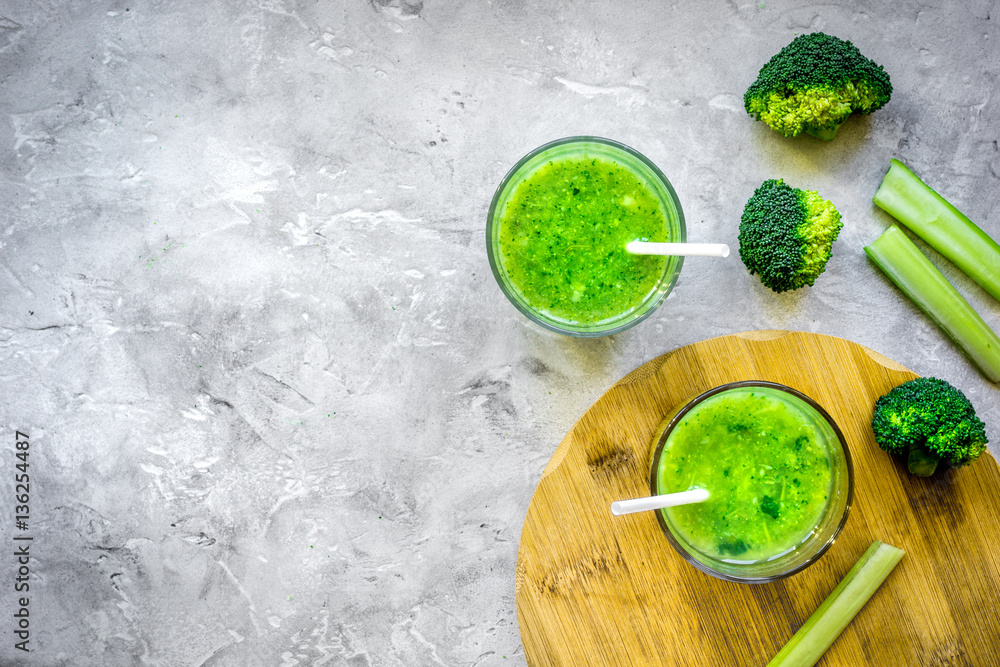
(942, 226)
(813, 639)
(902, 261)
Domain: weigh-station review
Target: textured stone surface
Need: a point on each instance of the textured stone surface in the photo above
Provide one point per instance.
(280, 412)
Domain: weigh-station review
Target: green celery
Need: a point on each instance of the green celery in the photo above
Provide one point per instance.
(942, 226)
(901, 260)
(813, 639)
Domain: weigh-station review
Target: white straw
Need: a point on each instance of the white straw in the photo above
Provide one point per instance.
(683, 249)
(620, 507)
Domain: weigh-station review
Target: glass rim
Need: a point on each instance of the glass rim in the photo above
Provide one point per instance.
(688, 405)
(671, 272)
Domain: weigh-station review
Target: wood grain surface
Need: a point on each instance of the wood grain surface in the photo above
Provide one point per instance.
(594, 589)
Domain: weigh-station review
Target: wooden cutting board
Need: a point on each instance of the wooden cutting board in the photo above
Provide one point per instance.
(594, 589)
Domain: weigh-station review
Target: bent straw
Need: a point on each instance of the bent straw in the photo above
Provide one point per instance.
(680, 249)
(620, 507)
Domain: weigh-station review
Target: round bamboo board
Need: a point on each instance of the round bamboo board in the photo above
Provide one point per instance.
(594, 589)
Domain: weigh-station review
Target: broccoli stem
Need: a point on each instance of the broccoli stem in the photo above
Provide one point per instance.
(839, 608)
(826, 134)
(921, 462)
(901, 260)
(942, 226)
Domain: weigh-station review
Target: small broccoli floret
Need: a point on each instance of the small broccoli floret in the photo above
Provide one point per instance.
(932, 423)
(787, 235)
(814, 84)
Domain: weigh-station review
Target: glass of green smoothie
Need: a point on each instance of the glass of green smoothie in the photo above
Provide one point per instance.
(778, 473)
(557, 230)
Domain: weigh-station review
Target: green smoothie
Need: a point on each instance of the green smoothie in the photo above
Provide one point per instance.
(562, 237)
(764, 456)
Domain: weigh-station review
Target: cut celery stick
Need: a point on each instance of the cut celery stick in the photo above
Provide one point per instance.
(942, 226)
(815, 636)
(902, 261)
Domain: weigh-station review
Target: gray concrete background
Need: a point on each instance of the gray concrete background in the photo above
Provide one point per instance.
(280, 413)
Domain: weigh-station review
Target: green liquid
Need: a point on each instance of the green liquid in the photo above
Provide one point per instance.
(562, 238)
(764, 456)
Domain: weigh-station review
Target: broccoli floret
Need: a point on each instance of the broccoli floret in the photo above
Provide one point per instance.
(813, 85)
(787, 234)
(932, 423)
